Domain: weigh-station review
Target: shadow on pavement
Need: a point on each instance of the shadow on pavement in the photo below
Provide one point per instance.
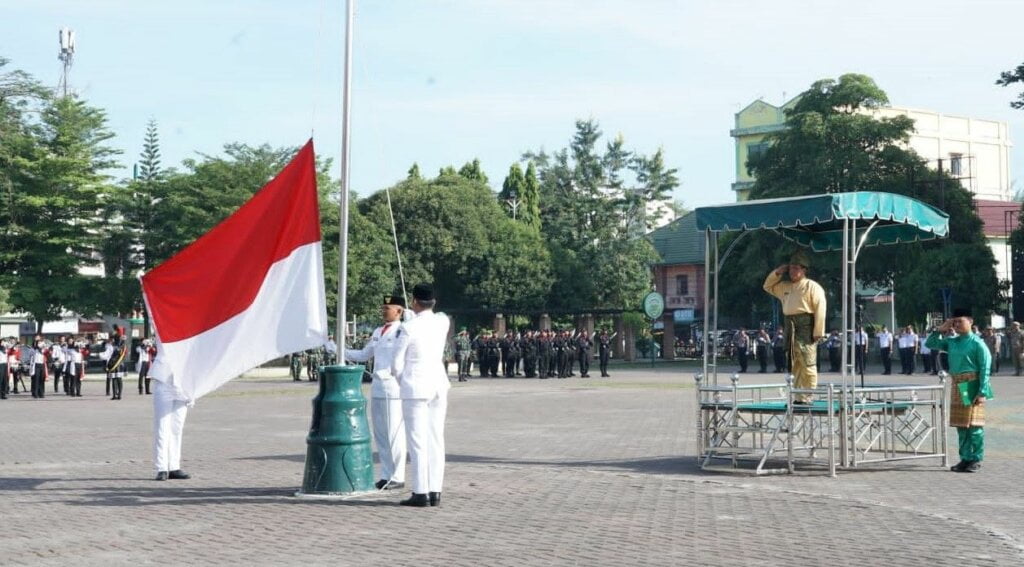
(683, 464)
(178, 496)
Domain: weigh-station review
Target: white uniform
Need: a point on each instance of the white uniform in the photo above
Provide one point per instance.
(169, 412)
(385, 402)
(423, 381)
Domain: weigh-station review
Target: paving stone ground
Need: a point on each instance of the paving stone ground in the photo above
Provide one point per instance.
(541, 472)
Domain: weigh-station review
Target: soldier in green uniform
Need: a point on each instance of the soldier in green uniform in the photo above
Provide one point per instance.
(462, 352)
(295, 363)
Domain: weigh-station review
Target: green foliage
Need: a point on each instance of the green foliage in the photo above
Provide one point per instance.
(473, 172)
(149, 161)
(593, 214)
(453, 232)
(830, 145)
(1007, 78)
(53, 169)
(414, 173)
(530, 209)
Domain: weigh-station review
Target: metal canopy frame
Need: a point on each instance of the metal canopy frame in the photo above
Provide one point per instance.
(855, 226)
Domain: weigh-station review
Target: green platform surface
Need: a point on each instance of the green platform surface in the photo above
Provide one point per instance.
(818, 406)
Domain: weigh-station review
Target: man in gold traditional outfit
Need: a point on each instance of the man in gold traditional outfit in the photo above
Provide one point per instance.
(803, 304)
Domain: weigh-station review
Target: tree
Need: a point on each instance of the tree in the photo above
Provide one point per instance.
(414, 172)
(1007, 78)
(512, 189)
(530, 215)
(473, 171)
(55, 190)
(832, 143)
(452, 232)
(593, 213)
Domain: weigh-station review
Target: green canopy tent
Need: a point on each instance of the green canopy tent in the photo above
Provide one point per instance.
(832, 222)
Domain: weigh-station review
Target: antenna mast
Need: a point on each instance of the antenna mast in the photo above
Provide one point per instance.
(66, 57)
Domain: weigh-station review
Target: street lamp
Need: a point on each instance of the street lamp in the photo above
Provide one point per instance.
(513, 203)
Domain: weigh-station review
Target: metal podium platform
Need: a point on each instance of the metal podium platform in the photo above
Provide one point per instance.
(758, 427)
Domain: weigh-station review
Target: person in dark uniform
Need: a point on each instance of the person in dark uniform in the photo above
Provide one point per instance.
(570, 353)
(762, 343)
(507, 364)
(564, 354)
(583, 347)
(529, 347)
(493, 355)
(37, 366)
(544, 350)
(479, 345)
(779, 351)
(741, 341)
(833, 351)
(604, 351)
(516, 352)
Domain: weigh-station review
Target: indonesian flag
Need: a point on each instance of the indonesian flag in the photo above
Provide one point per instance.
(248, 291)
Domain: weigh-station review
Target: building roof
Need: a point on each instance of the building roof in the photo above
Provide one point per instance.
(679, 242)
(996, 219)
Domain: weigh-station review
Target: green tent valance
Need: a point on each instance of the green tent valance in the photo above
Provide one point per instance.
(817, 220)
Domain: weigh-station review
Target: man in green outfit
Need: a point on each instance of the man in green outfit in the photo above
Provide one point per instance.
(969, 364)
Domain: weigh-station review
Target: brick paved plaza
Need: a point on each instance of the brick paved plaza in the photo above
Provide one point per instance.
(541, 472)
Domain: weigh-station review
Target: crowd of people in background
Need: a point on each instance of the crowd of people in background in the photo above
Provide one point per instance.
(63, 362)
(906, 347)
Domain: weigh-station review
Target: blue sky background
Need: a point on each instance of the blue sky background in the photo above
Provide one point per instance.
(441, 82)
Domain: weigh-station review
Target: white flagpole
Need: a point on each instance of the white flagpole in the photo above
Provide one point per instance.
(345, 154)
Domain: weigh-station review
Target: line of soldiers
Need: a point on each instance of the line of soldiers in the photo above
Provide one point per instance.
(543, 354)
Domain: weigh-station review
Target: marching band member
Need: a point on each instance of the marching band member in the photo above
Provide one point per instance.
(38, 369)
(146, 352)
(116, 363)
(56, 356)
(5, 370)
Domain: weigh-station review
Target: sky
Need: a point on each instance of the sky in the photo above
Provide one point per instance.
(441, 82)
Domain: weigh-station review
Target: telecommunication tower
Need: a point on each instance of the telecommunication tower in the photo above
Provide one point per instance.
(66, 57)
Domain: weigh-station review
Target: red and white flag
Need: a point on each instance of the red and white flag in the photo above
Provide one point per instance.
(248, 291)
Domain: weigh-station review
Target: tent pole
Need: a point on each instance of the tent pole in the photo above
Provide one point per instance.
(714, 329)
(707, 343)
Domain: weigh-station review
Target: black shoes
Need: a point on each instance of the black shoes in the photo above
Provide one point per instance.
(435, 498)
(178, 475)
(416, 500)
(388, 485)
(966, 466)
(162, 475)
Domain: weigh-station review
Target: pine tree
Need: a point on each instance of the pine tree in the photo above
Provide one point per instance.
(149, 164)
(530, 209)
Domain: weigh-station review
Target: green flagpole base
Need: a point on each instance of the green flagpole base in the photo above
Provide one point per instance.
(339, 460)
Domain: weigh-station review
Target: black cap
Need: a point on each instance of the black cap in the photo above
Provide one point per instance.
(394, 300)
(423, 292)
(962, 312)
